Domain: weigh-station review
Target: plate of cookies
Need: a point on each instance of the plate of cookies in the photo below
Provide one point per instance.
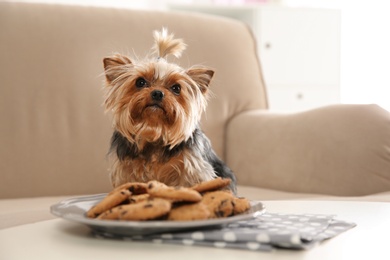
(136, 208)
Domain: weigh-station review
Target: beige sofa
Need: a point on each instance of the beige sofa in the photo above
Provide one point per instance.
(55, 136)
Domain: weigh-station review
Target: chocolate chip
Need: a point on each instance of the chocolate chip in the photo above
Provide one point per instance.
(219, 213)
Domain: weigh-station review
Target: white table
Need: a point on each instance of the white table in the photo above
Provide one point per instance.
(60, 239)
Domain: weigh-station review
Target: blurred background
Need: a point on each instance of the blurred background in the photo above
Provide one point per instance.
(313, 52)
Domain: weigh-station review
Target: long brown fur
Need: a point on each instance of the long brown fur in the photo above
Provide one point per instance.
(158, 139)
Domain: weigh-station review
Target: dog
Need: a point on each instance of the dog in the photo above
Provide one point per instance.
(157, 106)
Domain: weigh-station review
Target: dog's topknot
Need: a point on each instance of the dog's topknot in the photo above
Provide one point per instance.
(166, 44)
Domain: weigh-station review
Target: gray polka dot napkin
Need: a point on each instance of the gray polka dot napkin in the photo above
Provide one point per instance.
(264, 233)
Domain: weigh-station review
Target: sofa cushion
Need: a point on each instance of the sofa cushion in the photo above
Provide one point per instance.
(341, 150)
(54, 132)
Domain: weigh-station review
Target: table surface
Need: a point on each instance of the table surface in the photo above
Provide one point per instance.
(61, 239)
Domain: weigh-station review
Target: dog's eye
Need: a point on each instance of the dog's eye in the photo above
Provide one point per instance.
(176, 89)
(140, 83)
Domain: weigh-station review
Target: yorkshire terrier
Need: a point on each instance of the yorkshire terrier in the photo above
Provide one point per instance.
(157, 106)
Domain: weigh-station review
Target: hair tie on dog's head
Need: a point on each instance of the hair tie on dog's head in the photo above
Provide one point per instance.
(166, 45)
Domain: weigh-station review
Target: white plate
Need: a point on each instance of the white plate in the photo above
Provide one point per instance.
(74, 210)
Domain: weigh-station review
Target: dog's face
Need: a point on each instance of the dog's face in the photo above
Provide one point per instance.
(155, 101)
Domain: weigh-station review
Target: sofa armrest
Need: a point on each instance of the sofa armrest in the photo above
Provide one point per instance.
(338, 150)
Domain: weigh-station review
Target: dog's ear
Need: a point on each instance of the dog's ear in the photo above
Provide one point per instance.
(113, 66)
(202, 77)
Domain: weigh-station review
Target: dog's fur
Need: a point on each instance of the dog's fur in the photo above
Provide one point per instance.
(157, 107)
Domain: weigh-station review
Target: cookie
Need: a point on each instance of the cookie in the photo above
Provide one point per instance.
(111, 200)
(219, 203)
(158, 189)
(214, 184)
(186, 212)
(155, 200)
(138, 198)
(145, 210)
(111, 214)
(133, 187)
(240, 205)
(115, 212)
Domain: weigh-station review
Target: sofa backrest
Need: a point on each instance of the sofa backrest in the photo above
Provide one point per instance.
(53, 131)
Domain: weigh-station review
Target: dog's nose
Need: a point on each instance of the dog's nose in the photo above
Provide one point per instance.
(157, 95)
